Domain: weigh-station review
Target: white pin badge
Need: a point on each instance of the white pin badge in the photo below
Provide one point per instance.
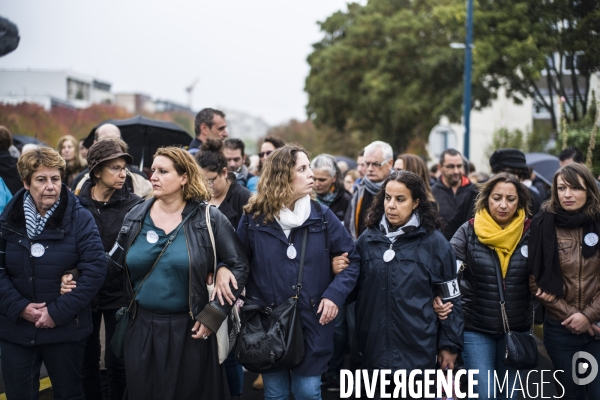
(389, 255)
(525, 251)
(591, 239)
(291, 252)
(152, 237)
(37, 250)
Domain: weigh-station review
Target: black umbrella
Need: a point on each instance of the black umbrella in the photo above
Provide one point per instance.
(9, 36)
(21, 140)
(144, 136)
(543, 165)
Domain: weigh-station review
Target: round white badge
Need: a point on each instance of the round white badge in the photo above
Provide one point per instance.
(152, 237)
(291, 252)
(37, 250)
(525, 251)
(389, 255)
(591, 239)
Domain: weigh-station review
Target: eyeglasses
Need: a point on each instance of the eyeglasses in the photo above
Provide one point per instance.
(211, 181)
(115, 169)
(264, 153)
(452, 166)
(375, 164)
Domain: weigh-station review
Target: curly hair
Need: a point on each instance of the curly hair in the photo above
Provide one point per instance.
(428, 213)
(40, 157)
(485, 191)
(275, 188)
(197, 186)
(570, 174)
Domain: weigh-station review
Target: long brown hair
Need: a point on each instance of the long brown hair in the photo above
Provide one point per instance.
(570, 174)
(275, 188)
(415, 164)
(485, 191)
(197, 186)
(78, 162)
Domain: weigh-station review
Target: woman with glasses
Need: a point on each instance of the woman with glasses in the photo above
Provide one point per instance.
(108, 199)
(270, 144)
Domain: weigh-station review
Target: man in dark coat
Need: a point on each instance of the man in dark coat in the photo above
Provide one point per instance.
(329, 185)
(8, 164)
(453, 192)
(209, 123)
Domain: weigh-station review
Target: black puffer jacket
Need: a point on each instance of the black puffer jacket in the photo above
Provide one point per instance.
(230, 254)
(109, 218)
(479, 287)
(340, 204)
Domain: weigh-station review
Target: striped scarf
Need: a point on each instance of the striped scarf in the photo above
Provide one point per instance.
(34, 222)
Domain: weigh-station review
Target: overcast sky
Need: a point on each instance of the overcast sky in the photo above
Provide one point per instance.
(249, 55)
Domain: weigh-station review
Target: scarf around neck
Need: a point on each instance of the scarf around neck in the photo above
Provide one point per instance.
(543, 262)
(289, 219)
(328, 198)
(503, 241)
(413, 223)
(371, 186)
(34, 222)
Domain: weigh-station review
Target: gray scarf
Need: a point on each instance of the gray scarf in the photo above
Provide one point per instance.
(372, 187)
(34, 221)
(242, 174)
(413, 223)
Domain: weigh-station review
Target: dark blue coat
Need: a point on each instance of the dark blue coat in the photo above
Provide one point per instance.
(273, 275)
(71, 240)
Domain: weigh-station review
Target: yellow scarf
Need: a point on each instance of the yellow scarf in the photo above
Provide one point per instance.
(503, 241)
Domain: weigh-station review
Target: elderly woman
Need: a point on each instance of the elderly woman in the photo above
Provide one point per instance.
(166, 249)
(565, 264)
(405, 259)
(273, 228)
(45, 231)
(108, 199)
(329, 185)
(496, 238)
(68, 147)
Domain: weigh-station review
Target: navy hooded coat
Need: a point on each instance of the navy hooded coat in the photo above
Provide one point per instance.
(273, 275)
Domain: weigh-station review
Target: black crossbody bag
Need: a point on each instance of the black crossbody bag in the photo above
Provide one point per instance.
(521, 349)
(272, 339)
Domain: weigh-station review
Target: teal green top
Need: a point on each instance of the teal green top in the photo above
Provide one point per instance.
(167, 288)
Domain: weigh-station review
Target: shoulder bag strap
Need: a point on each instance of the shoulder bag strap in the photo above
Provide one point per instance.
(172, 238)
(502, 302)
(212, 241)
(302, 256)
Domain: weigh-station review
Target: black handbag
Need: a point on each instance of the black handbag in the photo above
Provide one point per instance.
(521, 350)
(272, 339)
(117, 343)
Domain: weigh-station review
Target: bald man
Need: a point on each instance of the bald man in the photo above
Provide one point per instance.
(107, 131)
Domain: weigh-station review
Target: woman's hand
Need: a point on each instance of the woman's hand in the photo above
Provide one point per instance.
(442, 310)
(547, 297)
(45, 320)
(577, 323)
(340, 263)
(446, 359)
(222, 289)
(33, 312)
(594, 330)
(67, 283)
(202, 332)
(328, 311)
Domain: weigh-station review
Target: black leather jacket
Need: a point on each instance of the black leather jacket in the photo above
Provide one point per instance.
(230, 254)
(479, 284)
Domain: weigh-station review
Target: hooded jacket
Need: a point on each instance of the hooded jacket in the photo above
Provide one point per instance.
(479, 284)
(273, 276)
(396, 325)
(71, 240)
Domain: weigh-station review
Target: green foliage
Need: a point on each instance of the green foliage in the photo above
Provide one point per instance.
(535, 141)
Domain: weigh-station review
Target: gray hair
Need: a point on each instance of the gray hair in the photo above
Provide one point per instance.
(386, 149)
(327, 162)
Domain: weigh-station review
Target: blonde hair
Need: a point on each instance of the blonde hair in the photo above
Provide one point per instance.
(78, 162)
(40, 157)
(275, 188)
(197, 186)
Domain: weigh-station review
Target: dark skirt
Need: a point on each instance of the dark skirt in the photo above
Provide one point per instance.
(163, 361)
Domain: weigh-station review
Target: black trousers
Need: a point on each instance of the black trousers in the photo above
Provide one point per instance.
(115, 366)
(164, 362)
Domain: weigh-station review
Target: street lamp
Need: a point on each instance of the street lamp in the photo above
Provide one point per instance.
(467, 78)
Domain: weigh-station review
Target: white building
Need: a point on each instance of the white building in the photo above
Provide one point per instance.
(52, 88)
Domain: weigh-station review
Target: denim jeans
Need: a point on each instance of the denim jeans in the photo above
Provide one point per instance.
(279, 386)
(235, 375)
(561, 346)
(21, 369)
(484, 352)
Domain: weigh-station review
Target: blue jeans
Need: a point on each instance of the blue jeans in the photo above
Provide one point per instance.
(561, 346)
(21, 369)
(279, 386)
(485, 352)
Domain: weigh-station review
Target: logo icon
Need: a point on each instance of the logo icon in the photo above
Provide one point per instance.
(581, 368)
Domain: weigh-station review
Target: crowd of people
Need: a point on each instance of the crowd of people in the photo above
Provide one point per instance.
(395, 265)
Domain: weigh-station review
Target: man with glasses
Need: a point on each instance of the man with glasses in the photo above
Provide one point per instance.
(453, 192)
(209, 123)
(378, 160)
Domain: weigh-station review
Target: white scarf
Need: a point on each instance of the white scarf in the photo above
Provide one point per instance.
(413, 222)
(289, 219)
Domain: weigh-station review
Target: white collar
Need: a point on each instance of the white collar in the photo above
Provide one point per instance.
(289, 219)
